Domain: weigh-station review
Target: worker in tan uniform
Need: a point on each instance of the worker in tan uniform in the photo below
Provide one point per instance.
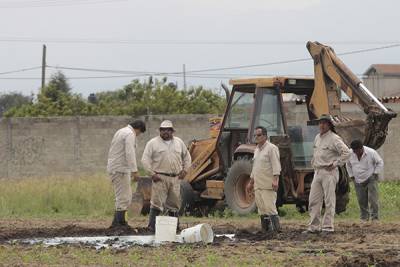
(265, 180)
(330, 152)
(121, 166)
(167, 160)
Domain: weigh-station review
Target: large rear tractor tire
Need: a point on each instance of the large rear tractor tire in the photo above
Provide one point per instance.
(236, 196)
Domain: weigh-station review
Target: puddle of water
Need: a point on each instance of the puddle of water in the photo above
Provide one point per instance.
(99, 242)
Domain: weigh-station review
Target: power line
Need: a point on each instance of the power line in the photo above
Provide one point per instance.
(153, 73)
(19, 70)
(200, 76)
(252, 65)
(180, 42)
(192, 74)
(116, 76)
(27, 2)
(294, 60)
(53, 3)
(222, 68)
(101, 70)
(369, 49)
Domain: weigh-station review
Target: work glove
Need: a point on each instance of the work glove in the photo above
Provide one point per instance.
(375, 176)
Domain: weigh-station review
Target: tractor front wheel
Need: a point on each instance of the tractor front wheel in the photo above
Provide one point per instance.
(238, 199)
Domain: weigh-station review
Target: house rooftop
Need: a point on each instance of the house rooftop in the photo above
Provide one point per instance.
(383, 69)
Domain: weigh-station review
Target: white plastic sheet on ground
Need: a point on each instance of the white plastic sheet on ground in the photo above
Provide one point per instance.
(99, 242)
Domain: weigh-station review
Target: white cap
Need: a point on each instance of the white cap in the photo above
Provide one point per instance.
(166, 124)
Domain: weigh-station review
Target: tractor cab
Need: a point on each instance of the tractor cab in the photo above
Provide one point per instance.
(271, 103)
(266, 102)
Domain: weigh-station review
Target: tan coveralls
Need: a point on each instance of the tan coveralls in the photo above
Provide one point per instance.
(171, 158)
(121, 163)
(266, 164)
(328, 149)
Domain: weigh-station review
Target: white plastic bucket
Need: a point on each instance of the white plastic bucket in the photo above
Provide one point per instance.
(199, 233)
(166, 228)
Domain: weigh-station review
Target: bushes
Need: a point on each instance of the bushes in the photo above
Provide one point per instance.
(134, 99)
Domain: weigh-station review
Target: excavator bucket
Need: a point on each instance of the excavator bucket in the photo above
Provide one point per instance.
(372, 131)
(377, 128)
(350, 130)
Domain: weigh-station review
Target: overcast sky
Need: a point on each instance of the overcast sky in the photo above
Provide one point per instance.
(161, 35)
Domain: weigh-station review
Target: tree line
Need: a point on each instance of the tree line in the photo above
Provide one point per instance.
(137, 98)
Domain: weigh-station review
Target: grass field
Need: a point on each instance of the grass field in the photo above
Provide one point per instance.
(58, 206)
(92, 197)
(58, 197)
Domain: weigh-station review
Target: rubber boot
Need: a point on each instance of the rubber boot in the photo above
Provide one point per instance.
(119, 218)
(268, 224)
(152, 219)
(115, 220)
(175, 214)
(122, 217)
(263, 224)
(275, 223)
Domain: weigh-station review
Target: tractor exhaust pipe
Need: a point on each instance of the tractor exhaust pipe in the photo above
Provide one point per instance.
(227, 93)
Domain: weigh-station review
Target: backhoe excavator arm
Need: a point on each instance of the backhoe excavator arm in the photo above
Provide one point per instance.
(331, 75)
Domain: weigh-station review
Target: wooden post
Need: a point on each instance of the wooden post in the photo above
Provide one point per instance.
(44, 66)
(184, 76)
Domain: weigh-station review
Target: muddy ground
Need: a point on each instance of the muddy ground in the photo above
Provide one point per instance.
(352, 244)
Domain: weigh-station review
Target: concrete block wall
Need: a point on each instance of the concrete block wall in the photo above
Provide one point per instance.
(390, 151)
(68, 146)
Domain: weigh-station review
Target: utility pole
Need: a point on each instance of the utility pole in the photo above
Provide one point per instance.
(44, 66)
(184, 76)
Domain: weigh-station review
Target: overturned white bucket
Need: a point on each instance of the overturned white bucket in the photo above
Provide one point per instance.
(199, 233)
(166, 228)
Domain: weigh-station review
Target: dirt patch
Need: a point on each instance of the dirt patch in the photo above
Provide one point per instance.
(351, 244)
(378, 259)
(291, 231)
(246, 235)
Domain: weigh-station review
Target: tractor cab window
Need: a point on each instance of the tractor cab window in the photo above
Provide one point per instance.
(301, 135)
(269, 112)
(302, 142)
(240, 112)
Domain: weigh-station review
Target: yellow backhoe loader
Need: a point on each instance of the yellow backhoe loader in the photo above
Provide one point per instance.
(221, 166)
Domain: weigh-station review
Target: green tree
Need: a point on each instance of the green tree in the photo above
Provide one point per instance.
(55, 99)
(13, 100)
(57, 87)
(137, 98)
(201, 101)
